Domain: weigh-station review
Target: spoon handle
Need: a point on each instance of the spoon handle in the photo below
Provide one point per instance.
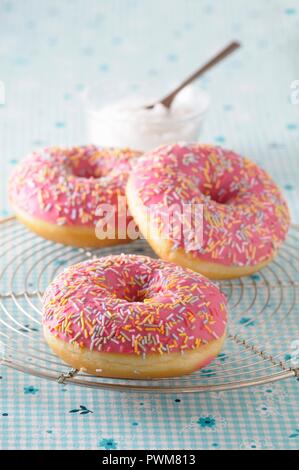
(167, 100)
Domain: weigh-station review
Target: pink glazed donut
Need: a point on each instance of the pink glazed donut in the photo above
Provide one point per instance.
(57, 192)
(244, 216)
(131, 316)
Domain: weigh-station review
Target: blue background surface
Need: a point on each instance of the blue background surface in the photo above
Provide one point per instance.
(49, 52)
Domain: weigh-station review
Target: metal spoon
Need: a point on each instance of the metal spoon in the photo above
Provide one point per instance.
(167, 100)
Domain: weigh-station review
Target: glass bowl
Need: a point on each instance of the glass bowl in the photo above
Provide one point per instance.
(115, 114)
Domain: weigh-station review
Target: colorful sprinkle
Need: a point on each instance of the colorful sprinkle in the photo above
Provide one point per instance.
(245, 217)
(134, 304)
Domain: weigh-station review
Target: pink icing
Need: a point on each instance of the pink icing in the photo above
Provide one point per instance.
(134, 304)
(66, 186)
(245, 217)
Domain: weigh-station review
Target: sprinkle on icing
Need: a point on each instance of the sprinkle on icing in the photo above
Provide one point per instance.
(245, 217)
(66, 186)
(134, 304)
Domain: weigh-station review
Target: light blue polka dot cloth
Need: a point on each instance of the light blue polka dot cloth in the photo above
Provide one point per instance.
(49, 52)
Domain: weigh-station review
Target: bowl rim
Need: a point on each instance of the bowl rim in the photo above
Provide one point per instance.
(95, 111)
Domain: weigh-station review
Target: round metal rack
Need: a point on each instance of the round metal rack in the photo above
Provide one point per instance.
(263, 324)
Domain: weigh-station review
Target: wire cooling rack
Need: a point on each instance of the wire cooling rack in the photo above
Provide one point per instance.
(263, 317)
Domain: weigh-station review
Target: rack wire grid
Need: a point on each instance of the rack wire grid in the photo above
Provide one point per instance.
(263, 324)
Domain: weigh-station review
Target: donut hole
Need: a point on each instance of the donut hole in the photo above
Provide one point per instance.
(133, 296)
(136, 287)
(223, 195)
(90, 162)
(87, 163)
(138, 297)
(131, 293)
(146, 291)
(86, 170)
(143, 296)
